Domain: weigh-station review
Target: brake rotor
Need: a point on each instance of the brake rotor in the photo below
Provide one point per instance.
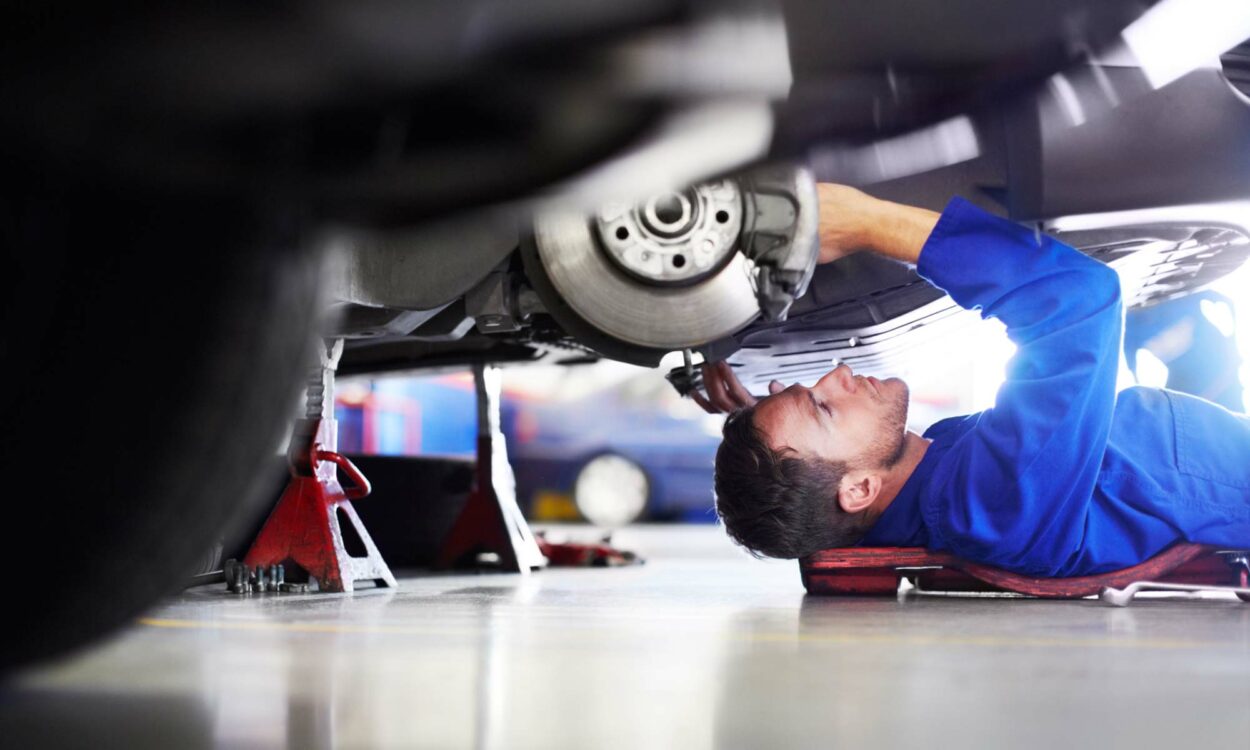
(666, 274)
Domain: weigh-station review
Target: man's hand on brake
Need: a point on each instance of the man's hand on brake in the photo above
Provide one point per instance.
(842, 229)
(725, 393)
(851, 220)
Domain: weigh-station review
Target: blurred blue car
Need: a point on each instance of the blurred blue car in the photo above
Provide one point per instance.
(633, 451)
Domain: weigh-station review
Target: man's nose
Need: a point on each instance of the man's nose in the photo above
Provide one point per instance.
(842, 376)
(846, 376)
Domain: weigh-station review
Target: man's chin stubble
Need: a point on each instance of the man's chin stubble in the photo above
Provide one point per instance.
(898, 428)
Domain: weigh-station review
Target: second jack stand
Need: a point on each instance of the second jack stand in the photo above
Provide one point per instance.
(491, 522)
(304, 528)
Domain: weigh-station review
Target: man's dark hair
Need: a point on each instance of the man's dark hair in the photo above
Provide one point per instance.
(776, 504)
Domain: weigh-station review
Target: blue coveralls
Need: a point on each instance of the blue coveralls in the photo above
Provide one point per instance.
(1061, 477)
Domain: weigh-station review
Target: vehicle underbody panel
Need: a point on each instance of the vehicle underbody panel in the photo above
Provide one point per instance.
(1033, 163)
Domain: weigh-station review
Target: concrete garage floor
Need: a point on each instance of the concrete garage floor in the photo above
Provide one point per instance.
(701, 647)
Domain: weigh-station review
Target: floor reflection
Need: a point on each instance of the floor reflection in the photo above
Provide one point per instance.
(677, 653)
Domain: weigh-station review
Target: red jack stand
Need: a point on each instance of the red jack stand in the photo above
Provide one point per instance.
(491, 523)
(304, 527)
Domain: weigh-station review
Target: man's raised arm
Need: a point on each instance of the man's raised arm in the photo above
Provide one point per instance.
(851, 220)
(1014, 490)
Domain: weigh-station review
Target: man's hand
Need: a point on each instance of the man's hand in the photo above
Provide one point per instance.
(725, 393)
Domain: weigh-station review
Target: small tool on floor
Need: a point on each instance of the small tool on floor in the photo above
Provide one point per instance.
(583, 555)
(1122, 597)
(241, 579)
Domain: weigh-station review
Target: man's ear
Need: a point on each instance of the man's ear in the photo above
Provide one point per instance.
(859, 490)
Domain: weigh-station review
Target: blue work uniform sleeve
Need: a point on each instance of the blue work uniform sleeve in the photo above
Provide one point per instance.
(1014, 491)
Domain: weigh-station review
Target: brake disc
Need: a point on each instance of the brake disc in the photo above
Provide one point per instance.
(685, 267)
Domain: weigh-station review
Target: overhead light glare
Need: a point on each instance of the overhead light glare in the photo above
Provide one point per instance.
(1177, 36)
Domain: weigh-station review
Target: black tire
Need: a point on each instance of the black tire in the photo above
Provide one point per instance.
(155, 347)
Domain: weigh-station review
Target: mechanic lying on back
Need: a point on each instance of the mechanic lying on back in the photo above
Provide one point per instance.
(1060, 478)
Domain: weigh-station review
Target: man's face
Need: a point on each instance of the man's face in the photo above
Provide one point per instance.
(844, 417)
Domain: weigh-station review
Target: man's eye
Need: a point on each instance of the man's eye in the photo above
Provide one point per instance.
(826, 409)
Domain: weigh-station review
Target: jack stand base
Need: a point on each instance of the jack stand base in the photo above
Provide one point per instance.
(304, 527)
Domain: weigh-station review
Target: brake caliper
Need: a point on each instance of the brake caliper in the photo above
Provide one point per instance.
(779, 235)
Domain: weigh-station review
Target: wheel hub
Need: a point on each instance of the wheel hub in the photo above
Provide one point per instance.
(673, 238)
